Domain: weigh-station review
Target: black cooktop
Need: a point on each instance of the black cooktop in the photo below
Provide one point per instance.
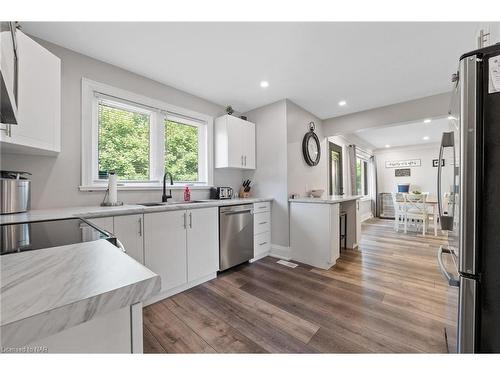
(51, 233)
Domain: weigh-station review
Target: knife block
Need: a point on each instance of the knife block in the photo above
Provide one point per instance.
(243, 193)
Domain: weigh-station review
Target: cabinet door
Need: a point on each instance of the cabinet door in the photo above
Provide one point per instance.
(248, 142)
(129, 230)
(235, 142)
(165, 247)
(105, 223)
(202, 242)
(39, 98)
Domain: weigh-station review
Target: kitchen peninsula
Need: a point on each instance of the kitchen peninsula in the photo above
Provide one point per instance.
(315, 228)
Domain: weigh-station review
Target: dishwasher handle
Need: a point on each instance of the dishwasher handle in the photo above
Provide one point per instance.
(250, 211)
(230, 210)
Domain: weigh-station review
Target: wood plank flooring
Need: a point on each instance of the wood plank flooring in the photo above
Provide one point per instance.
(387, 297)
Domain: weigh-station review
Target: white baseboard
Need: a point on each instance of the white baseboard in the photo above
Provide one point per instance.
(366, 217)
(281, 252)
(260, 256)
(181, 288)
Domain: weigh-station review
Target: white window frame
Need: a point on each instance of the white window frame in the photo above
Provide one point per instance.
(364, 164)
(92, 91)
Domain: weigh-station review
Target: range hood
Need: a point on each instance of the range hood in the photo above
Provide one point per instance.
(8, 73)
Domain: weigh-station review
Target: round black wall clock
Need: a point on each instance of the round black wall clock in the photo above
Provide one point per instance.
(311, 147)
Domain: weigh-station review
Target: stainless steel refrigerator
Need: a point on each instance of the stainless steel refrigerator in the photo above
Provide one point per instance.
(469, 199)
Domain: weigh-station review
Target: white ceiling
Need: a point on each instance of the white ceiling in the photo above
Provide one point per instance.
(314, 64)
(405, 135)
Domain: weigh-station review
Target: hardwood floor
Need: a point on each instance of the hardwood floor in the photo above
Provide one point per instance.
(387, 297)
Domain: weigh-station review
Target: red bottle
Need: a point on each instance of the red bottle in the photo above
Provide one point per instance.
(187, 194)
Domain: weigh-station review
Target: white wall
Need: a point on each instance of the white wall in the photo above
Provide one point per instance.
(270, 177)
(423, 178)
(410, 111)
(281, 168)
(301, 177)
(55, 181)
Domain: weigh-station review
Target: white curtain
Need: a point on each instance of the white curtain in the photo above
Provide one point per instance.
(372, 184)
(351, 170)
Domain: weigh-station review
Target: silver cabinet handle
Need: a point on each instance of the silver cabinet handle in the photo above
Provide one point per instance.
(263, 243)
(451, 280)
(241, 159)
(185, 219)
(263, 222)
(191, 220)
(245, 160)
(140, 227)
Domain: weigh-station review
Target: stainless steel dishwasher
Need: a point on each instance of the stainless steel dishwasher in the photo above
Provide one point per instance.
(236, 235)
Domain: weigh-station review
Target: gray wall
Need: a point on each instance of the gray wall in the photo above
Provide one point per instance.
(270, 177)
(302, 177)
(413, 110)
(281, 168)
(56, 179)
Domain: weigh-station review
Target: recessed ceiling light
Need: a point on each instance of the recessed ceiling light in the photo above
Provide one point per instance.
(342, 103)
(426, 138)
(427, 120)
(264, 84)
(387, 146)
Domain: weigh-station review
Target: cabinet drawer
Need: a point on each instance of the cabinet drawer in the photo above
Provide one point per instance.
(261, 207)
(262, 222)
(262, 243)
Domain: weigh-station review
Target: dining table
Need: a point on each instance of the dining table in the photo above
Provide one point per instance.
(432, 209)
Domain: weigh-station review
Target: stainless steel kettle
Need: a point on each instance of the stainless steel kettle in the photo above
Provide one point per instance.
(14, 192)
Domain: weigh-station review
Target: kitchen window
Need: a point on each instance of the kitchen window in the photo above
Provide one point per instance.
(139, 139)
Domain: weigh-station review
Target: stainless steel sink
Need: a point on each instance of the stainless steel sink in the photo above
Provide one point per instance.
(155, 204)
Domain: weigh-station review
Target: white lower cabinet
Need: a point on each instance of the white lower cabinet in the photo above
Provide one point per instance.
(202, 242)
(165, 247)
(129, 230)
(182, 246)
(262, 230)
(105, 223)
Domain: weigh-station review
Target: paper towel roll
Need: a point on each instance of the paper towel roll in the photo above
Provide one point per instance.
(112, 197)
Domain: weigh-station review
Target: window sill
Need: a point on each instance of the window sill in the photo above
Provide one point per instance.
(365, 198)
(152, 187)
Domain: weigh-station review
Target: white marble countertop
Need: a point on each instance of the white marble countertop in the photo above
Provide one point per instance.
(126, 209)
(329, 199)
(46, 291)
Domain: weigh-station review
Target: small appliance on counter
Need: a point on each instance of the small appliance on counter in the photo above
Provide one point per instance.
(18, 237)
(14, 192)
(221, 193)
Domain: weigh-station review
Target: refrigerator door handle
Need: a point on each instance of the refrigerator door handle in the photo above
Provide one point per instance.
(447, 140)
(441, 147)
(449, 277)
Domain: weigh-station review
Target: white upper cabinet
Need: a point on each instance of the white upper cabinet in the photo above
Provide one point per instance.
(234, 143)
(38, 130)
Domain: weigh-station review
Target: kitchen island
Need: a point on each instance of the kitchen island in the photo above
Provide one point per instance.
(85, 297)
(315, 228)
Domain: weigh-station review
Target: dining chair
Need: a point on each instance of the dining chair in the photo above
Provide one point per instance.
(399, 212)
(415, 208)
